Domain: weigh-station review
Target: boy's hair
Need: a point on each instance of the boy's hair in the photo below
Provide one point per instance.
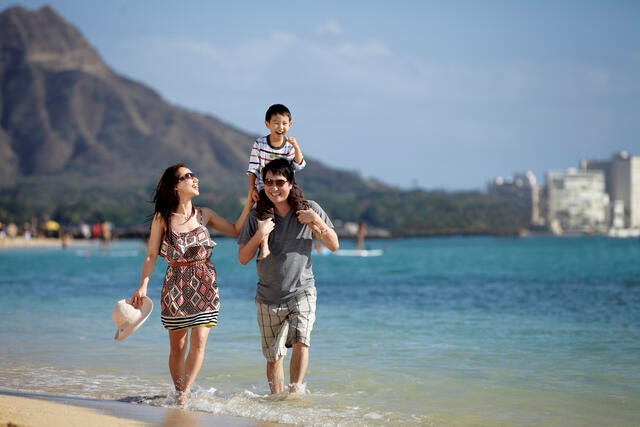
(279, 166)
(277, 109)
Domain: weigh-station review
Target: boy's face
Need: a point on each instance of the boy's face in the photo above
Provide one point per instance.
(278, 125)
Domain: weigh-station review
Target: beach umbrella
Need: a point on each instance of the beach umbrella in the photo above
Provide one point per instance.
(51, 225)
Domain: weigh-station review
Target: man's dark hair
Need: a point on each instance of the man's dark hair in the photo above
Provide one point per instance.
(280, 166)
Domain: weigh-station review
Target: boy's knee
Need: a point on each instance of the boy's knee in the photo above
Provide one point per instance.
(264, 207)
(265, 213)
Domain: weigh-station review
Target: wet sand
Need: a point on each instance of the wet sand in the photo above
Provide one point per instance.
(37, 410)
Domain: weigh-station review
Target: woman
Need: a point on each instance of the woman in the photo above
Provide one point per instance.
(189, 297)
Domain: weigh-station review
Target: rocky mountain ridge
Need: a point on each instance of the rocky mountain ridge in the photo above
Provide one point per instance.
(65, 115)
(78, 142)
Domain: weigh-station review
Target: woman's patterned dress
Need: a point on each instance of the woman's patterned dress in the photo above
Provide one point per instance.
(189, 295)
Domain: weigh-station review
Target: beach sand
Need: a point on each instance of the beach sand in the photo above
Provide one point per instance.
(23, 412)
(35, 242)
(35, 410)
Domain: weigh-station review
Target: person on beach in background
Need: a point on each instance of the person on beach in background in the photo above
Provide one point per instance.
(286, 293)
(189, 297)
(267, 148)
(361, 233)
(105, 236)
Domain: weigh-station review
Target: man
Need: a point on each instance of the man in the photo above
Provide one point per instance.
(286, 293)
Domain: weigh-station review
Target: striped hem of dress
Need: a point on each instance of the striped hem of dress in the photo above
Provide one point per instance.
(209, 318)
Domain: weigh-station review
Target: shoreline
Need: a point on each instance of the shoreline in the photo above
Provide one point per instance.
(37, 242)
(32, 410)
(40, 410)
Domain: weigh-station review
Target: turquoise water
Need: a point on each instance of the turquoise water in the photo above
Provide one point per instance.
(536, 331)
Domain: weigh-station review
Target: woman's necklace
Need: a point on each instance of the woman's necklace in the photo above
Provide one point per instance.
(185, 216)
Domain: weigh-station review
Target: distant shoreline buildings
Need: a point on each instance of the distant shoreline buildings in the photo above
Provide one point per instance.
(601, 197)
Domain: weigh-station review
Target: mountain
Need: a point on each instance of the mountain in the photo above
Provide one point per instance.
(66, 114)
(78, 142)
(67, 117)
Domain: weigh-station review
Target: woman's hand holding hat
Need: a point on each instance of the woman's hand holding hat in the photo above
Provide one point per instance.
(128, 318)
(137, 299)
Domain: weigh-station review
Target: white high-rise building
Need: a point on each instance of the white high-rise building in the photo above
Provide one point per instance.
(577, 202)
(622, 175)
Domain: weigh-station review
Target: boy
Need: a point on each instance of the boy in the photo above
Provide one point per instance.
(265, 149)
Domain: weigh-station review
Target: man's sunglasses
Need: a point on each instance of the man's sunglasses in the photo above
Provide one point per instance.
(278, 182)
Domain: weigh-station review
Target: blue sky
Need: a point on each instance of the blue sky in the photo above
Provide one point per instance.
(435, 94)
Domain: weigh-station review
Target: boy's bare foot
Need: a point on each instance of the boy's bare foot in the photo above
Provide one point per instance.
(264, 248)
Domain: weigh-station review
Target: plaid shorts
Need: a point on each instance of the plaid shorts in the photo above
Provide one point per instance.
(282, 325)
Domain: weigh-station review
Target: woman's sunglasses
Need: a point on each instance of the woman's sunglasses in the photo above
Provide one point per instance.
(188, 175)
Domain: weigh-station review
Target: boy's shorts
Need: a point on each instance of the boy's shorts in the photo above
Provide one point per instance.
(285, 324)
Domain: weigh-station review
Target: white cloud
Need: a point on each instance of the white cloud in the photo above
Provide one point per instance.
(365, 50)
(364, 94)
(330, 27)
(283, 62)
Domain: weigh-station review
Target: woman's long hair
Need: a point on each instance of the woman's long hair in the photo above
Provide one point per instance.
(166, 198)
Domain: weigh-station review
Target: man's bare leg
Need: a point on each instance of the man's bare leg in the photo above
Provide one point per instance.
(298, 366)
(275, 375)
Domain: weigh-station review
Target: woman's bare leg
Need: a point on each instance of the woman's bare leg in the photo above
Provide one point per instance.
(178, 347)
(195, 357)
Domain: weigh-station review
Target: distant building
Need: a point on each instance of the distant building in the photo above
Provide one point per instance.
(577, 202)
(622, 183)
(522, 191)
(602, 197)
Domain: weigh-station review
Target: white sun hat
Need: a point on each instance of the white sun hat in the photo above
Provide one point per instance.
(128, 318)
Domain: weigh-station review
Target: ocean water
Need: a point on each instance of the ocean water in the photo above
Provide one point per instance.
(460, 331)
